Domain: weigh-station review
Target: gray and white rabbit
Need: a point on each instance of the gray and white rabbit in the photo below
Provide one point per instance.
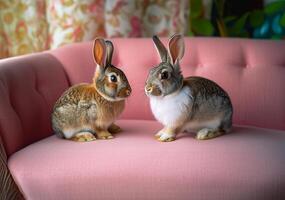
(185, 104)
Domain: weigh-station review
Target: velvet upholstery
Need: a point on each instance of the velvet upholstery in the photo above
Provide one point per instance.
(29, 86)
(250, 160)
(136, 166)
(251, 71)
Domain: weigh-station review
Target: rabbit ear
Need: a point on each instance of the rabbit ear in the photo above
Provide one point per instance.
(99, 52)
(176, 47)
(160, 49)
(110, 50)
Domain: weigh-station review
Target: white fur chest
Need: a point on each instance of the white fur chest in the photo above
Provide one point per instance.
(171, 109)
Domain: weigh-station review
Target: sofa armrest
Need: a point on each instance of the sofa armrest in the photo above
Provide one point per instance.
(29, 86)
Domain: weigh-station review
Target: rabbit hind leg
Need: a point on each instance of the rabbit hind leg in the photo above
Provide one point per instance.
(208, 133)
(216, 129)
(78, 135)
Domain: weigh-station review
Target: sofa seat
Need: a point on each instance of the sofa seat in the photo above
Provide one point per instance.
(248, 164)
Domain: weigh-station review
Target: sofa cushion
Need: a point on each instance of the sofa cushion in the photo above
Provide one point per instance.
(249, 163)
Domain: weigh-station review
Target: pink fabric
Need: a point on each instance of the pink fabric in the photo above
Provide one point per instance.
(247, 164)
(29, 86)
(253, 72)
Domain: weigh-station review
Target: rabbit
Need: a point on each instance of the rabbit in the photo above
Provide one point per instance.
(87, 109)
(192, 104)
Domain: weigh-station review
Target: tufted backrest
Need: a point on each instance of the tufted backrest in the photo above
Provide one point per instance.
(251, 71)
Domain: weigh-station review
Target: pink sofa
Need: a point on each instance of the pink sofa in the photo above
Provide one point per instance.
(247, 164)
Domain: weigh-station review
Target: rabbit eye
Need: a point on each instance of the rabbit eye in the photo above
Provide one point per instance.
(113, 78)
(164, 75)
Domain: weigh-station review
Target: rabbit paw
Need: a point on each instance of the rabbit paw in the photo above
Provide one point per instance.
(114, 129)
(165, 137)
(104, 135)
(206, 133)
(159, 134)
(83, 137)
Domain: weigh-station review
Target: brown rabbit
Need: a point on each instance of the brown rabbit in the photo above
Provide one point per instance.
(87, 109)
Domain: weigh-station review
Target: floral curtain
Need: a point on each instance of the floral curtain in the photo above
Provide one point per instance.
(23, 27)
(28, 26)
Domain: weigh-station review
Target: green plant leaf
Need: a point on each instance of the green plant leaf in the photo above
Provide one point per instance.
(220, 4)
(202, 27)
(222, 29)
(282, 20)
(239, 25)
(244, 34)
(195, 8)
(229, 19)
(274, 7)
(256, 18)
(190, 33)
(276, 37)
